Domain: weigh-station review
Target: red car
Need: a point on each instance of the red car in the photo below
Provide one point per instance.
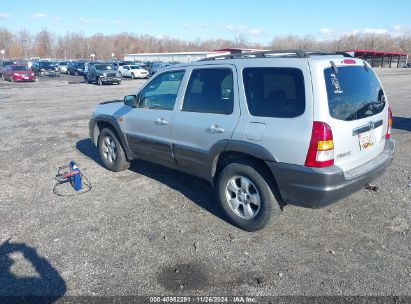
(18, 72)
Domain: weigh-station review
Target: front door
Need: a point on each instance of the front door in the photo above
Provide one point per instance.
(148, 126)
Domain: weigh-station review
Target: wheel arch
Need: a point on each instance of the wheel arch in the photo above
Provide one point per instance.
(256, 157)
(110, 122)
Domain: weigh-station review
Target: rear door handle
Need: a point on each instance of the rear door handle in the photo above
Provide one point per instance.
(215, 129)
(161, 122)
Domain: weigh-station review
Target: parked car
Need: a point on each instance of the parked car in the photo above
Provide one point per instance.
(102, 73)
(5, 63)
(294, 128)
(157, 66)
(133, 71)
(75, 68)
(16, 72)
(45, 68)
(62, 65)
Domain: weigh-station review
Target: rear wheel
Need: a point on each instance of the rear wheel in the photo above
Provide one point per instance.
(111, 151)
(245, 195)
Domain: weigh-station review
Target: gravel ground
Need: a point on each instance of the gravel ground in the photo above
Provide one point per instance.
(151, 230)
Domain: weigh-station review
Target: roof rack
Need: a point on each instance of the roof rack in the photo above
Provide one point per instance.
(293, 53)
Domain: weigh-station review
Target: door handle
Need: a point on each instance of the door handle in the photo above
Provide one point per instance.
(161, 122)
(215, 129)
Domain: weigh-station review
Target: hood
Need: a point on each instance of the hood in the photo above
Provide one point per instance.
(115, 108)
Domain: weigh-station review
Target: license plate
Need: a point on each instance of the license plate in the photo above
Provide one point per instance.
(365, 140)
(26, 77)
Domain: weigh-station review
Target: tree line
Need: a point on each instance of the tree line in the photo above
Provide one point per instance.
(76, 45)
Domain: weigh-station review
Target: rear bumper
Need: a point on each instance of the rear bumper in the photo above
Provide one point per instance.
(320, 187)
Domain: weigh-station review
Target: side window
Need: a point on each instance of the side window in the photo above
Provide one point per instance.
(210, 91)
(161, 92)
(126, 67)
(274, 92)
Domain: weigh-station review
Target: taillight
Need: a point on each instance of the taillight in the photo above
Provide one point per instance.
(321, 150)
(388, 135)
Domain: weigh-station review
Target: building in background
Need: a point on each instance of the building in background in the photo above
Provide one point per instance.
(184, 56)
(380, 59)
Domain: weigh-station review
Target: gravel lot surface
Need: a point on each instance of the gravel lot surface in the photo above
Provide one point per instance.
(155, 231)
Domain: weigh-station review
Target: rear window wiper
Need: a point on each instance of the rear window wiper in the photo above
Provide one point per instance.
(372, 106)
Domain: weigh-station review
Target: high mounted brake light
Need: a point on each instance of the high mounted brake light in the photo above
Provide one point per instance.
(388, 134)
(349, 61)
(321, 150)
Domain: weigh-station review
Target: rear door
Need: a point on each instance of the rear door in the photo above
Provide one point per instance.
(206, 118)
(351, 99)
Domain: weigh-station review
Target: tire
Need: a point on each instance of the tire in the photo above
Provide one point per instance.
(253, 207)
(111, 151)
(12, 79)
(119, 82)
(133, 76)
(99, 82)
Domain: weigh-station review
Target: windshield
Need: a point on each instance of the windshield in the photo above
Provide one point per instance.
(80, 65)
(103, 67)
(134, 67)
(19, 68)
(4, 63)
(46, 64)
(353, 93)
(62, 63)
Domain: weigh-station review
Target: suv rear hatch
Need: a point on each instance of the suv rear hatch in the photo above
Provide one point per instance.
(352, 102)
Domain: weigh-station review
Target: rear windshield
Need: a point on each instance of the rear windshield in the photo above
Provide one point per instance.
(353, 93)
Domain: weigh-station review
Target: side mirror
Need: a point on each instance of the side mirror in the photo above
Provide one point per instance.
(131, 100)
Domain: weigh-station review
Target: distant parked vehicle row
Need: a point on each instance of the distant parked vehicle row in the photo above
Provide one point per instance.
(5, 63)
(76, 68)
(133, 71)
(101, 73)
(16, 72)
(62, 65)
(45, 68)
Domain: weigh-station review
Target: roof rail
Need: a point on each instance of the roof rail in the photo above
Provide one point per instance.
(292, 53)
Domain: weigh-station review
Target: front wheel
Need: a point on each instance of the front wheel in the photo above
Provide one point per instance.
(245, 195)
(133, 76)
(99, 81)
(111, 152)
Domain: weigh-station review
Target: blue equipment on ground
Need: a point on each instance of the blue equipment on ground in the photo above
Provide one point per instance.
(74, 177)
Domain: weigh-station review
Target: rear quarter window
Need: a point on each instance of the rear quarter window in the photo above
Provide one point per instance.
(274, 92)
(354, 92)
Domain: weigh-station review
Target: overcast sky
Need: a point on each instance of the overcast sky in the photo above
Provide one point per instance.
(259, 20)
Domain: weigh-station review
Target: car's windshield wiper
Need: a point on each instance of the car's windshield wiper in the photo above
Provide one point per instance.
(371, 106)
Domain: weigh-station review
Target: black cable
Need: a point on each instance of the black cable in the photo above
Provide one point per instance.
(62, 180)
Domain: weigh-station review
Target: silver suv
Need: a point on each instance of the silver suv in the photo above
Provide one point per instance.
(265, 129)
